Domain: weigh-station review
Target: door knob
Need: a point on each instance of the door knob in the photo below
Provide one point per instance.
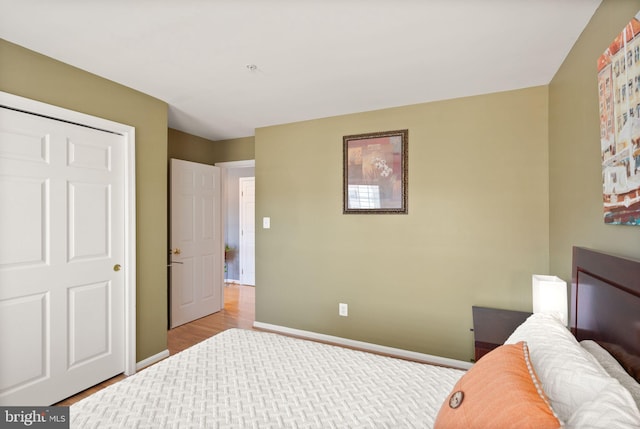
(175, 251)
(117, 267)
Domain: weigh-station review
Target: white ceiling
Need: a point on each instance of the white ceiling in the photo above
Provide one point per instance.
(314, 58)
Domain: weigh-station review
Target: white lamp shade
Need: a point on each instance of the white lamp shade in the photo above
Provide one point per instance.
(550, 296)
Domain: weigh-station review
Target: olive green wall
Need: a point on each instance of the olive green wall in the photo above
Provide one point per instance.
(31, 75)
(234, 149)
(576, 212)
(188, 147)
(476, 231)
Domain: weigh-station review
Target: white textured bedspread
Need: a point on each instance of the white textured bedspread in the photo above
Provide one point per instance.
(249, 379)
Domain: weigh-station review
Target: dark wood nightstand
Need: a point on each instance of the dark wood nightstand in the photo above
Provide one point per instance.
(492, 326)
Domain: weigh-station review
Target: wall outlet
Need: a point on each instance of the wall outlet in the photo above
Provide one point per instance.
(343, 309)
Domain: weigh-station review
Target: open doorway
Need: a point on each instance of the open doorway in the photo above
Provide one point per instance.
(233, 173)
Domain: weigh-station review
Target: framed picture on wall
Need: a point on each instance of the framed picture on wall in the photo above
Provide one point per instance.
(619, 102)
(375, 173)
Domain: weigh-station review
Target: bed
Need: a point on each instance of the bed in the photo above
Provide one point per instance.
(545, 375)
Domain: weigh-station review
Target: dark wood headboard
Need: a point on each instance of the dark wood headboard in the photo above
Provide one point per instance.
(605, 304)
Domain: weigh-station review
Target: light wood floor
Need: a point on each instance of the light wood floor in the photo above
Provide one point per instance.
(239, 312)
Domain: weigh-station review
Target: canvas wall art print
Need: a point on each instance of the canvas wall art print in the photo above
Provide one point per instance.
(619, 97)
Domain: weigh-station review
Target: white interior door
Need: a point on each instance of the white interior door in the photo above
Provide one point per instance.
(197, 256)
(62, 258)
(247, 252)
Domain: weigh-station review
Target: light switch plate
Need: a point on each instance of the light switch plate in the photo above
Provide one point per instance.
(266, 222)
(343, 309)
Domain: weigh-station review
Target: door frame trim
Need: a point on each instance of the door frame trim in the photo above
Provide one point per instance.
(128, 133)
(243, 251)
(225, 167)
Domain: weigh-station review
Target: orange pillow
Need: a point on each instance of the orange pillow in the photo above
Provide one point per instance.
(500, 391)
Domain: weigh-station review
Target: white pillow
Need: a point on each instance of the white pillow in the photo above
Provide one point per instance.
(570, 376)
(613, 368)
(612, 409)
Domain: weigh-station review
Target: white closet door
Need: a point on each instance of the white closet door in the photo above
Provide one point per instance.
(61, 254)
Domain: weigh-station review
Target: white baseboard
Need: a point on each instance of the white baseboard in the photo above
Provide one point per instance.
(152, 359)
(232, 281)
(376, 348)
